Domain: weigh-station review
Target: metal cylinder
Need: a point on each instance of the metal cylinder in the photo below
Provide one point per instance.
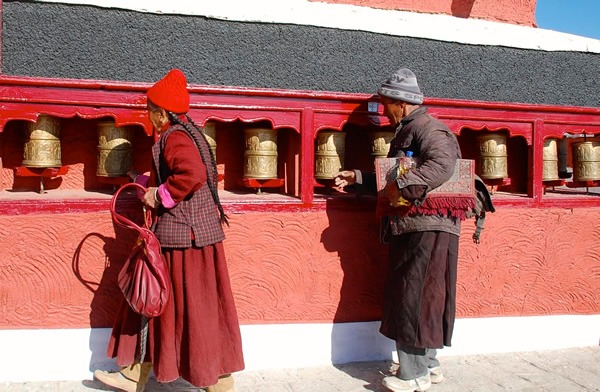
(330, 154)
(586, 161)
(492, 162)
(210, 131)
(43, 146)
(260, 157)
(380, 145)
(550, 160)
(115, 150)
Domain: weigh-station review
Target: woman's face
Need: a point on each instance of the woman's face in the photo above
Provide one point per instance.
(158, 118)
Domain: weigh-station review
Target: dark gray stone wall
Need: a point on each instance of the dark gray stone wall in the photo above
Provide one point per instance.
(54, 40)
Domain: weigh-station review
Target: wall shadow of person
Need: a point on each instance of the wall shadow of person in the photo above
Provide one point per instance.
(462, 8)
(353, 232)
(107, 296)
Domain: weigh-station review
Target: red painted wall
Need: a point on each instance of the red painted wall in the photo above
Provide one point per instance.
(295, 267)
(521, 12)
(299, 255)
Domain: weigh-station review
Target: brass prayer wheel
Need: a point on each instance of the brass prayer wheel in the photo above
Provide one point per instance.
(586, 161)
(114, 150)
(550, 160)
(492, 162)
(381, 143)
(330, 154)
(260, 157)
(43, 146)
(210, 132)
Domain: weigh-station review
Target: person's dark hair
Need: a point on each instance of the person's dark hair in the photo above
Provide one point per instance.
(212, 177)
(152, 106)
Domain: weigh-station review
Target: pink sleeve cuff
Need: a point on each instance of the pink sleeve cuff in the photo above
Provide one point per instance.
(165, 197)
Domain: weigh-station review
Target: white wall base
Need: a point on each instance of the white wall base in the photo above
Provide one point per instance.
(54, 355)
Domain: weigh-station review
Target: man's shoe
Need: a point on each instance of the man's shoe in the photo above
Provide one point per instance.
(436, 375)
(116, 380)
(396, 384)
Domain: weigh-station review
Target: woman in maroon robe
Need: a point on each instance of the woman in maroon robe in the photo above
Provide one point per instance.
(197, 338)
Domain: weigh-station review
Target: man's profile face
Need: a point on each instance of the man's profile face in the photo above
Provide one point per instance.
(392, 109)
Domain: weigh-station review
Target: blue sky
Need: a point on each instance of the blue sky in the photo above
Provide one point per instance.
(580, 17)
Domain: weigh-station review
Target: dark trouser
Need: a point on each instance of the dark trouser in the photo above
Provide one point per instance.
(415, 362)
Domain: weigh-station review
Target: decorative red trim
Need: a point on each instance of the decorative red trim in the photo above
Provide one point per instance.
(307, 112)
(48, 172)
(514, 128)
(86, 206)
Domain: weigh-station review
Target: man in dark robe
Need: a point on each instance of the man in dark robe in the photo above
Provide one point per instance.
(420, 290)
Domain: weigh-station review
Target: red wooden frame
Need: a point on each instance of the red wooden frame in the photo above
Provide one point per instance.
(306, 112)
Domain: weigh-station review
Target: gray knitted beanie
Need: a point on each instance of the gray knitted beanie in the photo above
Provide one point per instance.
(402, 85)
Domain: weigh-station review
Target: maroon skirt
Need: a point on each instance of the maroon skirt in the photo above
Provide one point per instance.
(197, 338)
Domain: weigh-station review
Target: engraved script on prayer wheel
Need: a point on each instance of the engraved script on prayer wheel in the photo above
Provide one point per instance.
(381, 143)
(43, 146)
(260, 157)
(330, 154)
(550, 160)
(586, 161)
(210, 131)
(114, 150)
(492, 162)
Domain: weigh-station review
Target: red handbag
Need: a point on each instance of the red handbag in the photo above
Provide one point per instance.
(144, 278)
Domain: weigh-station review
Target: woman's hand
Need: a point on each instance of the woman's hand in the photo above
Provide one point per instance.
(151, 197)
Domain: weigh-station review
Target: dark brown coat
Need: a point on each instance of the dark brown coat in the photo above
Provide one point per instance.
(420, 291)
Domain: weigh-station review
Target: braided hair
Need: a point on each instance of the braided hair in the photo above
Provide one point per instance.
(212, 177)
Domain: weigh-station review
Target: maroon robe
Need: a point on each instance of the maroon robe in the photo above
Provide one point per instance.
(198, 337)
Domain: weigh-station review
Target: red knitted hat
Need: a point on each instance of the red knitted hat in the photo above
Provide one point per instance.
(170, 93)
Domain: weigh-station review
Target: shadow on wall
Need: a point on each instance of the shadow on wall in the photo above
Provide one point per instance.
(353, 233)
(107, 296)
(355, 336)
(462, 8)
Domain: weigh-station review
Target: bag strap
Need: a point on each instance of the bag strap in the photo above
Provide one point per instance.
(120, 219)
(479, 222)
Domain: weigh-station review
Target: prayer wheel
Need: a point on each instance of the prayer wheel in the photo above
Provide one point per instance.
(114, 150)
(550, 160)
(260, 157)
(492, 162)
(210, 132)
(586, 161)
(329, 157)
(381, 143)
(43, 146)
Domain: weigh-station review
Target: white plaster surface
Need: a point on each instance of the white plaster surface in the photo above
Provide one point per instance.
(349, 17)
(73, 354)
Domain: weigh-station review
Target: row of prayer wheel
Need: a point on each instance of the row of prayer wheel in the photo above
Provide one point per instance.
(43, 150)
(260, 156)
(261, 152)
(586, 160)
(493, 159)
